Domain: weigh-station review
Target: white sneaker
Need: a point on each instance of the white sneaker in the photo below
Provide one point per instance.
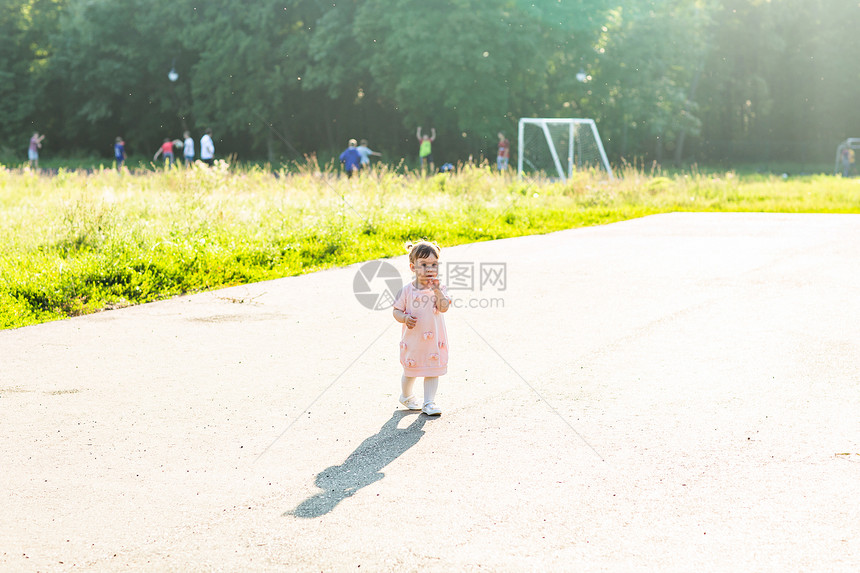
(411, 402)
(431, 409)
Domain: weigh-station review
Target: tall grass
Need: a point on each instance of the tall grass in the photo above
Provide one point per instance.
(80, 242)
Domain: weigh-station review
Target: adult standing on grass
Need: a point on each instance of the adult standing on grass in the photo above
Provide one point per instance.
(504, 153)
(425, 149)
(188, 149)
(365, 152)
(33, 151)
(119, 152)
(351, 159)
(207, 148)
(166, 150)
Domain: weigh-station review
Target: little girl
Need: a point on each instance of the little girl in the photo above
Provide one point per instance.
(424, 343)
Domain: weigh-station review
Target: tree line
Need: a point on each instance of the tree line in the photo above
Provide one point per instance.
(667, 80)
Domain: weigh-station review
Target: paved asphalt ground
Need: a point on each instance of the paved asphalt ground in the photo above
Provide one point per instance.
(673, 393)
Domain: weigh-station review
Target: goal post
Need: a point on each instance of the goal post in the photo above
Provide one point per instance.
(556, 147)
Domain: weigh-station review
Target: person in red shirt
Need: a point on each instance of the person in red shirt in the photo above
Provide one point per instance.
(166, 150)
(504, 152)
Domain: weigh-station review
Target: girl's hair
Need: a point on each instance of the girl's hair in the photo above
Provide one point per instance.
(422, 249)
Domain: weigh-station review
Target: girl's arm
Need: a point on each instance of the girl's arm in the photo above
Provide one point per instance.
(404, 318)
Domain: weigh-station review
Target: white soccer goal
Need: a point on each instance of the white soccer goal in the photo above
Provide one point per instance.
(556, 147)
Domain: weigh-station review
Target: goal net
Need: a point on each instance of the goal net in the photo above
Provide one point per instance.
(557, 147)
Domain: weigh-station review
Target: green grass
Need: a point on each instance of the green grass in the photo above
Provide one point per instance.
(77, 243)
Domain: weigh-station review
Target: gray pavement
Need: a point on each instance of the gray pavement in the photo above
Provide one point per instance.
(673, 393)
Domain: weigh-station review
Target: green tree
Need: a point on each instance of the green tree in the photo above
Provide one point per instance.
(650, 56)
(248, 67)
(26, 29)
(740, 79)
(110, 71)
(780, 80)
(468, 68)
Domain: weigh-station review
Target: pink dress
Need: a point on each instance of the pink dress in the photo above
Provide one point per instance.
(424, 348)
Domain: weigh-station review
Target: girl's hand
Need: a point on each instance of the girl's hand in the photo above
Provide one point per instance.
(410, 321)
(433, 283)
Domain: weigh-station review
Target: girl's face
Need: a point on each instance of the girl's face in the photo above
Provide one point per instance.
(426, 269)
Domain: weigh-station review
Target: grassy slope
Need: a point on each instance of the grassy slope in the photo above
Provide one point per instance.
(78, 243)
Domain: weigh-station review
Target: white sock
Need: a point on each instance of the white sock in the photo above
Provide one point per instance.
(430, 386)
(406, 384)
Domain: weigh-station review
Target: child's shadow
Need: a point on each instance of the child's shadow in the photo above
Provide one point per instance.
(363, 466)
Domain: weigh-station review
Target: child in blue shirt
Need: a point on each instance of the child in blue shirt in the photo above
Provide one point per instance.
(119, 152)
(351, 158)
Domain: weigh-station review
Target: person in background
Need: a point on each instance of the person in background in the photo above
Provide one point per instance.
(119, 152)
(351, 159)
(166, 150)
(847, 161)
(207, 148)
(425, 149)
(188, 149)
(33, 151)
(504, 153)
(365, 152)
